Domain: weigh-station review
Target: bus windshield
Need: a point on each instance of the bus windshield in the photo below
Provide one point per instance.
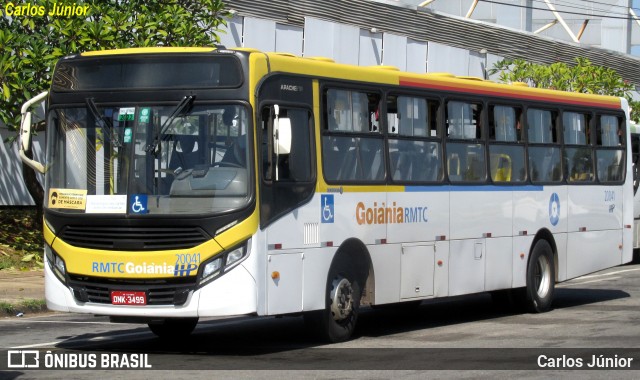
(148, 159)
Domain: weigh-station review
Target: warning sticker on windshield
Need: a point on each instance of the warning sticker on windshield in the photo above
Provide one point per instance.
(67, 198)
(107, 204)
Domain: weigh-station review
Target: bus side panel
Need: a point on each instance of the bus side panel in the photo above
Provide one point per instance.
(386, 266)
(591, 251)
(493, 208)
(316, 264)
(284, 282)
(466, 267)
(425, 216)
(499, 263)
(631, 204)
(350, 215)
(521, 250)
(232, 294)
(299, 228)
(533, 210)
(594, 208)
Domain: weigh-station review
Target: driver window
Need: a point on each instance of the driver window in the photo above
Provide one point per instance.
(295, 166)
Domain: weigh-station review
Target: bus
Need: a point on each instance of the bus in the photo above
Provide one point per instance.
(635, 157)
(184, 183)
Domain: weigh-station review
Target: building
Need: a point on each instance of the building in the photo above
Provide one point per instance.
(464, 37)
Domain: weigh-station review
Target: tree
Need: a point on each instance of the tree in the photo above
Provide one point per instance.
(582, 77)
(33, 42)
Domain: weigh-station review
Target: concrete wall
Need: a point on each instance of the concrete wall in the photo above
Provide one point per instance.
(13, 191)
(353, 45)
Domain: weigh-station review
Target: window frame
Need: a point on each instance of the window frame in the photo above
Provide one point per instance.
(448, 142)
(555, 114)
(520, 141)
(325, 132)
(622, 147)
(397, 136)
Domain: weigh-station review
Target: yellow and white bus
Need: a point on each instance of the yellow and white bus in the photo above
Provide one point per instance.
(183, 183)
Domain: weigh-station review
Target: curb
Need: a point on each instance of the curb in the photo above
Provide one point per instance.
(23, 307)
(22, 293)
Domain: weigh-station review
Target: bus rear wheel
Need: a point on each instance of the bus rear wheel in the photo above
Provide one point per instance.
(540, 278)
(338, 319)
(173, 328)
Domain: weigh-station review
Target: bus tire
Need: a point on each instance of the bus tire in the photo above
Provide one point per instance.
(173, 328)
(540, 278)
(336, 322)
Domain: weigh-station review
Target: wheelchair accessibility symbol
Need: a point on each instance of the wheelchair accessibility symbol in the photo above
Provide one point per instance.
(326, 203)
(138, 204)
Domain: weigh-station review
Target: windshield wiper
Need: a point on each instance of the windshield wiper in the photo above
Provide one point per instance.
(93, 108)
(185, 103)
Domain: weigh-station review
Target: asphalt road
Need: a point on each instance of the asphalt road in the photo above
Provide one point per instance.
(595, 316)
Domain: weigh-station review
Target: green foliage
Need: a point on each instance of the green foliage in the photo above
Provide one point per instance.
(31, 45)
(25, 306)
(582, 77)
(21, 241)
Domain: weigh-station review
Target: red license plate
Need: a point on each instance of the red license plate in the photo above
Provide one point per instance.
(128, 298)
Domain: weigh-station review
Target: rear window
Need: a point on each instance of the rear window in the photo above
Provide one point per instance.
(147, 72)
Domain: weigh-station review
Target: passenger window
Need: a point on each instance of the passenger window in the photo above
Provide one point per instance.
(352, 111)
(575, 127)
(608, 131)
(578, 154)
(465, 159)
(541, 126)
(415, 152)
(463, 120)
(544, 153)
(506, 149)
(352, 145)
(610, 152)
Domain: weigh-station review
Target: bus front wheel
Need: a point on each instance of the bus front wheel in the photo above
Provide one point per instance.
(540, 278)
(173, 328)
(343, 292)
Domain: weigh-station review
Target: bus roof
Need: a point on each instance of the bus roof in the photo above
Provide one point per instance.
(327, 68)
(319, 66)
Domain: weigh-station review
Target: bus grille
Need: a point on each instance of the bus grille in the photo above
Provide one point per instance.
(159, 292)
(133, 238)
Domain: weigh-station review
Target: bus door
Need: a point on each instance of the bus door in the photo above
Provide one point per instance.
(286, 166)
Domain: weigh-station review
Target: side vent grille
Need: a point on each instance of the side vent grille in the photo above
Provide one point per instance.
(311, 233)
(133, 238)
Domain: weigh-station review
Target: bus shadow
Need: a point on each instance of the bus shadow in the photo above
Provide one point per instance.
(572, 297)
(466, 309)
(249, 336)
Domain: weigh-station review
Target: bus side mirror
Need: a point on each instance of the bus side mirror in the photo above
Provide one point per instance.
(25, 132)
(281, 136)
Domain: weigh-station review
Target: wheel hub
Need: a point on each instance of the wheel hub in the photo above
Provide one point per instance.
(542, 276)
(341, 298)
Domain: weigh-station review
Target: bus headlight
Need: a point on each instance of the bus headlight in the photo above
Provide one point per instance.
(56, 263)
(211, 268)
(59, 265)
(235, 256)
(222, 263)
